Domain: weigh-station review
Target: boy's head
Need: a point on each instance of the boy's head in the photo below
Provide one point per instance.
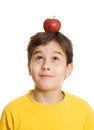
(42, 38)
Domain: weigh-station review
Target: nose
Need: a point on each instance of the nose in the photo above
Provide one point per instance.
(45, 66)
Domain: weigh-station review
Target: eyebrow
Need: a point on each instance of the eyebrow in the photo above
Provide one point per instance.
(57, 52)
(37, 52)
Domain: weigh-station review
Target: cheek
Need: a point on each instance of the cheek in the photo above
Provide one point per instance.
(61, 71)
(30, 67)
(33, 69)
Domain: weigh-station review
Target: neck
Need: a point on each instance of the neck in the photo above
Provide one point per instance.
(47, 97)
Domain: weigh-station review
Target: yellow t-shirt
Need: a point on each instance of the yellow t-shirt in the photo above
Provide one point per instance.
(72, 113)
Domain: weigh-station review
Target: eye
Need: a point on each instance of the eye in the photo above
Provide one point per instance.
(55, 58)
(38, 58)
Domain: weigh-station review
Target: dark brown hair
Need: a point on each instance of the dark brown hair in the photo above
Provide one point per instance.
(42, 38)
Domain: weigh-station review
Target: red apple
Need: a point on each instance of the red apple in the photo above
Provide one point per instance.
(52, 25)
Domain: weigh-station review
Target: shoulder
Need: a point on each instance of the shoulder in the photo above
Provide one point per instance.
(78, 102)
(15, 103)
(82, 109)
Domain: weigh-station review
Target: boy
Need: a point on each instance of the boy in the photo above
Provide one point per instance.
(47, 107)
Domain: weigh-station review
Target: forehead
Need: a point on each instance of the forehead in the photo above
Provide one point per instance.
(50, 47)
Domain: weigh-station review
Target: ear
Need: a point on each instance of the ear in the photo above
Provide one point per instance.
(69, 69)
(28, 65)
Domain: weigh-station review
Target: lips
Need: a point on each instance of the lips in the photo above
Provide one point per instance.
(46, 76)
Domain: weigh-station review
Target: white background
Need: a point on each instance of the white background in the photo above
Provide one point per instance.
(20, 19)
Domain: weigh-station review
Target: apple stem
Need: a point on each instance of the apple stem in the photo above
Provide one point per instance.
(53, 17)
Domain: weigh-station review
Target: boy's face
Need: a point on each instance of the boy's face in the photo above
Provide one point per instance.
(48, 66)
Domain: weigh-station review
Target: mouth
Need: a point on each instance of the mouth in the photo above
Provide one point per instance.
(46, 76)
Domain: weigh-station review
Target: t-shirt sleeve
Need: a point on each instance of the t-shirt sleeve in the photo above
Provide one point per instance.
(6, 121)
(89, 125)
